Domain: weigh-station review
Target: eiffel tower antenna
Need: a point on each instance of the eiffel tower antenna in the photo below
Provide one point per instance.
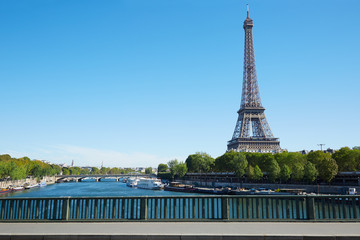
(252, 132)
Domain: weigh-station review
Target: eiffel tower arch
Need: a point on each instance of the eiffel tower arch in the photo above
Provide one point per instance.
(252, 131)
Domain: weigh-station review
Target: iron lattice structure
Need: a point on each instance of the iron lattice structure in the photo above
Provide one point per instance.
(252, 132)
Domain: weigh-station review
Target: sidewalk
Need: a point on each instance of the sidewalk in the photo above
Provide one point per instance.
(180, 230)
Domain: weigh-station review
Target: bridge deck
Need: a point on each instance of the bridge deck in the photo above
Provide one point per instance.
(181, 230)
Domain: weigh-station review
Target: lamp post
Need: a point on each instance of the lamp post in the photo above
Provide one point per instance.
(321, 145)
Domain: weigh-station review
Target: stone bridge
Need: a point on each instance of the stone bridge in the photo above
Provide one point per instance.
(98, 177)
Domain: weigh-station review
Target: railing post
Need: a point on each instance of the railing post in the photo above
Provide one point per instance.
(144, 208)
(66, 209)
(225, 208)
(310, 207)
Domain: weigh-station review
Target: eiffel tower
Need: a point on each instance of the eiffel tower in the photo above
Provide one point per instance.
(252, 132)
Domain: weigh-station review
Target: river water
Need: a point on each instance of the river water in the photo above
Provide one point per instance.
(91, 189)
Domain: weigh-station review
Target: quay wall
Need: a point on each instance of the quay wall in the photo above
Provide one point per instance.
(30, 181)
(321, 189)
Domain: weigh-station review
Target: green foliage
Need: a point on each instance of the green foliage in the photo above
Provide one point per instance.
(115, 170)
(231, 162)
(326, 166)
(310, 172)
(165, 175)
(104, 170)
(95, 170)
(181, 169)
(254, 173)
(327, 169)
(177, 169)
(239, 164)
(273, 169)
(148, 170)
(65, 171)
(285, 173)
(199, 162)
(298, 171)
(346, 159)
(162, 167)
(258, 175)
(356, 148)
(250, 172)
(172, 166)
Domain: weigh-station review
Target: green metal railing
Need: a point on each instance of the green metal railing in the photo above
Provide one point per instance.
(182, 208)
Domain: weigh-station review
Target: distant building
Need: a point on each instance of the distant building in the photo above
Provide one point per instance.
(329, 150)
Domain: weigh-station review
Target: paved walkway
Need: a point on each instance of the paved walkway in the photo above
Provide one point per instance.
(179, 230)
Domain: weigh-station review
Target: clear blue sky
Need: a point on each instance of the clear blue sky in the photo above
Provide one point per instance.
(140, 82)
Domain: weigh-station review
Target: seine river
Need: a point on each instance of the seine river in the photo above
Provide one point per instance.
(90, 189)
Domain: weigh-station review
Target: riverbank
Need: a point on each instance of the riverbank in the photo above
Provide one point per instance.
(320, 189)
(29, 181)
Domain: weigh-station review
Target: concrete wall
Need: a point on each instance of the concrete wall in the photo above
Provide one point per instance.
(31, 181)
(323, 189)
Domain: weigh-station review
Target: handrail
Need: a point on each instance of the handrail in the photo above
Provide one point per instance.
(183, 208)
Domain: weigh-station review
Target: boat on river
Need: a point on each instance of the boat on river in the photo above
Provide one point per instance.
(31, 186)
(132, 182)
(5, 190)
(42, 184)
(179, 187)
(15, 189)
(150, 183)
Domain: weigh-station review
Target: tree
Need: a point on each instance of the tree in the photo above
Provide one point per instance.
(258, 175)
(298, 171)
(231, 162)
(239, 164)
(115, 170)
(65, 171)
(199, 162)
(346, 159)
(266, 162)
(317, 156)
(148, 170)
(181, 169)
(310, 172)
(250, 172)
(285, 173)
(356, 148)
(3, 170)
(162, 168)
(172, 166)
(95, 170)
(178, 169)
(56, 170)
(104, 170)
(36, 170)
(273, 170)
(325, 165)
(327, 169)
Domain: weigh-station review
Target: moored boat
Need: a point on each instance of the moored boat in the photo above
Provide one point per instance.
(150, 183)
(132, 182)
(179, 187)
(31, 186)
(42, 184)
(17, 188)
(5, 190)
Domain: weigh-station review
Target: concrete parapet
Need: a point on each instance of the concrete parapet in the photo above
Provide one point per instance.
(172, 237)
(180, 231)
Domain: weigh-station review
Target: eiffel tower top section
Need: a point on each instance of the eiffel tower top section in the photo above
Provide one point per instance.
(250, 91)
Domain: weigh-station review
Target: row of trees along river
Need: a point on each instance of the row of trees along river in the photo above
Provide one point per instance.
(20, 168)
(282, 167)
